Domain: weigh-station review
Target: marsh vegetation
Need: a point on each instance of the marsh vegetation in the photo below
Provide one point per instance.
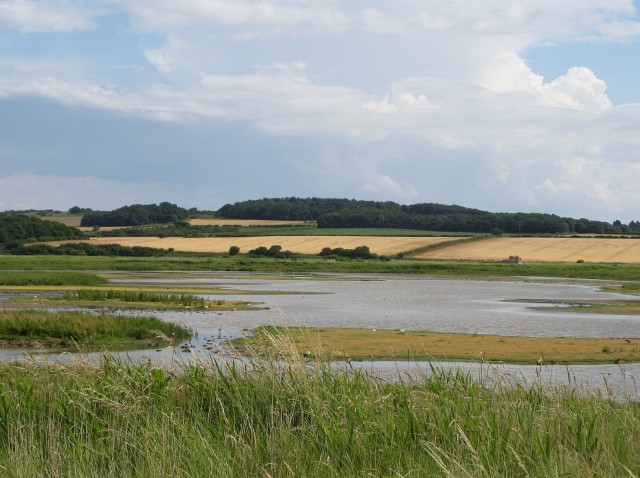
(133, 297)
(234, 420)
(77, 329)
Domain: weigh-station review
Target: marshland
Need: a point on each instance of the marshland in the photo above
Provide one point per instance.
(218, 364)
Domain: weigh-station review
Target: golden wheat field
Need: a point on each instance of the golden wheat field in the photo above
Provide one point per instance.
(299, 244)
(539, 249)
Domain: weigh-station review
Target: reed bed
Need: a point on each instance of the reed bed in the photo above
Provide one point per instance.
(187, 300)
(39, 278)
(67, 328)
(233, 419)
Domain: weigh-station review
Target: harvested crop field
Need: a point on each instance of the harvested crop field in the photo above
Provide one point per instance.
(243, 222)
(299, 244)
(539, 249)
(72, 220)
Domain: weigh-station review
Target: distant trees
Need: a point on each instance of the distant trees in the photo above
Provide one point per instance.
(283, 209)
(360, 252)
(79, 210)
(19, 228)
(274, 251)
(342, 213)
(83, 249)
(136, 215)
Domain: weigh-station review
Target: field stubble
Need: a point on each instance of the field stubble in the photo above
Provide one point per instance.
(543, 249)
(296, 244)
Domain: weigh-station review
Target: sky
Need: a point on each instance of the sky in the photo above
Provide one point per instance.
(501, 105)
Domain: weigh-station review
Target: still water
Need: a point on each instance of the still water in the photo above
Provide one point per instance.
(411, 303)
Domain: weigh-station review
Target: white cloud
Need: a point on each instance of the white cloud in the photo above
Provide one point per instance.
(381, 185)
(168, 56)
(545, 20)
(579, 89)
(592, 180)
(464, 86)
(274, 16)
(48, 16)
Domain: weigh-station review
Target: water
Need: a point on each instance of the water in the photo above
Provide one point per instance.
(411, 303)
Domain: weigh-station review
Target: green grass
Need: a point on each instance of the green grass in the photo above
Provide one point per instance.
(633, 287)
(314, 231)
(189, 300)
(628, 272)
(127, 420)
(38, 278)
(71, 328)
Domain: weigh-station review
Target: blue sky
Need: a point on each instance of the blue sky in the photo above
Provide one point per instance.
(530, 105)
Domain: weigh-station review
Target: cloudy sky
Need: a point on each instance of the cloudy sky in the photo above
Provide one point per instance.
(503, 105)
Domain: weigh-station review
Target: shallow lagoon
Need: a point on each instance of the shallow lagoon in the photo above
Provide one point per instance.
(411, 303)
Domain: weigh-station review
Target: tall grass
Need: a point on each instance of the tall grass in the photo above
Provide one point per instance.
(36, 278)
(230, 420)
(134, 296)
(81, 328)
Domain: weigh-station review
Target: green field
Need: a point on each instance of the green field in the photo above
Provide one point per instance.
(314, 231)
(40, 278)
(211, 262)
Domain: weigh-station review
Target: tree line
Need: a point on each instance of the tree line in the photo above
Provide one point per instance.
(344, 213)
(83, 249)
(19, 228)
(135, 215)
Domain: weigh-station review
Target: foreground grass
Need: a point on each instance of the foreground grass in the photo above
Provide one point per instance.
(215, 420)
(368, 344)
(210, 262)
(79, 329)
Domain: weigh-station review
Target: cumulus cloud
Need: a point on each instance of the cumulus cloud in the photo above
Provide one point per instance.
(462, 89)
(579, 89)
(591, 179)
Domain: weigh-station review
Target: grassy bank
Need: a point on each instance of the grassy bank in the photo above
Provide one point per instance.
(141, 421)
(210, 262)
(368, 344)
(40, 278)
(80, 329)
